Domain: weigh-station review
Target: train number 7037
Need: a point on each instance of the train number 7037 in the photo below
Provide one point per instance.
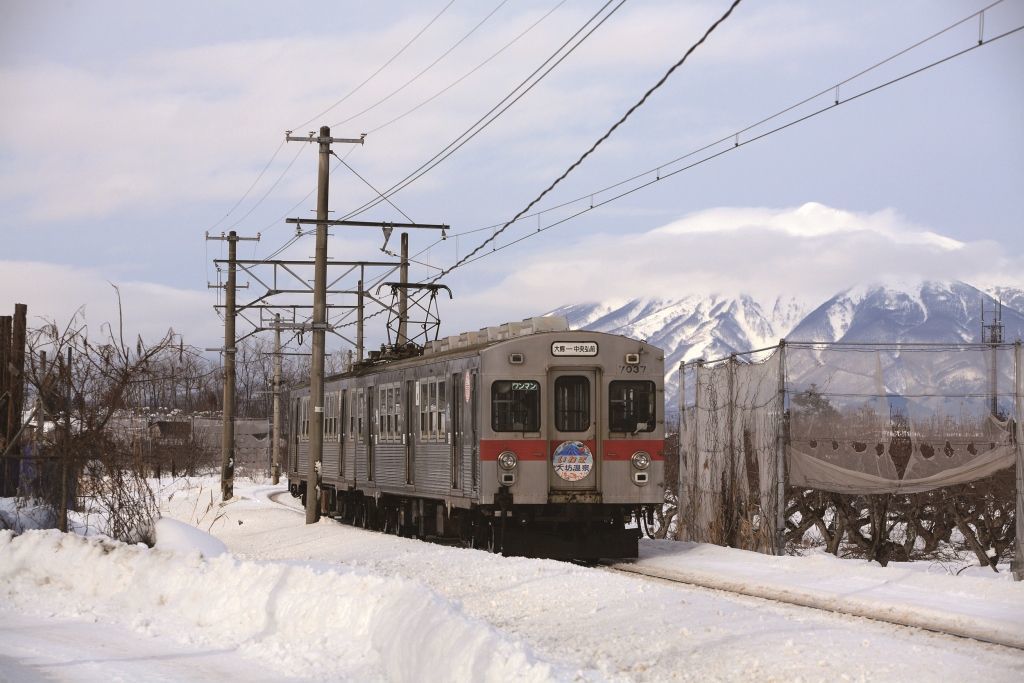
(633, 369)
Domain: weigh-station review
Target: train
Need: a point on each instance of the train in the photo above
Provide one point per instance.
(526, 438)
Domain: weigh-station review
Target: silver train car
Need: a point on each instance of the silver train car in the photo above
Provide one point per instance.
(525, 439)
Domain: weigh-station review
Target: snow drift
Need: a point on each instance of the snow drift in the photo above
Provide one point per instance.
(378, 628)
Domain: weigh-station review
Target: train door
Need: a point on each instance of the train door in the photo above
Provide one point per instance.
(368, 419)
(459, 398)
(408, 423)
(572, 429)
(293, 442)
(342, 415)
(474, 429)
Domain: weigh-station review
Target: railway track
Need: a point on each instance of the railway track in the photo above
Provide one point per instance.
(935, 622)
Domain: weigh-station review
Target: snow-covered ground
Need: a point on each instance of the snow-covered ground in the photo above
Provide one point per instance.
(330, 602)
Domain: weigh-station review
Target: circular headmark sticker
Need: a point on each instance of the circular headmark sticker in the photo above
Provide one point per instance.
(572, 460)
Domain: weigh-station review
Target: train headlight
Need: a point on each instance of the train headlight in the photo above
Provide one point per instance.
(641, 460)
(508, 461)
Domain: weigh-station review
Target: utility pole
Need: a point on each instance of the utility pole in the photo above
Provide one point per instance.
(227, 442)
(359, 323)
(316, 389)
(403, 295)
(276, 444)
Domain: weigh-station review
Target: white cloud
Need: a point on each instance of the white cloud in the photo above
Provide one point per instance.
(197, 124)
(56, 292)
(811, 251)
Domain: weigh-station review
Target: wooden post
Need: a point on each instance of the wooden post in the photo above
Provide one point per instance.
(1018, 556)
(5, 396)
(65, 450)
(16, 370)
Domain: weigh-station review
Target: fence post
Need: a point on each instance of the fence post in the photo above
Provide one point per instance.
(1018, 396)
(682, 500)
(780, 457)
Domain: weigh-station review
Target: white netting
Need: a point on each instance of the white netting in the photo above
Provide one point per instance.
(730, 437)
(850, 419)
(888, 419)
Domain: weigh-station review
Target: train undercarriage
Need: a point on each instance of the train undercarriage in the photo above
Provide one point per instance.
(553, 531)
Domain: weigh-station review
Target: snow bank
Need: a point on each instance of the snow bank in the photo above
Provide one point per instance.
(178, 537)
(17, 515)
(375, 628)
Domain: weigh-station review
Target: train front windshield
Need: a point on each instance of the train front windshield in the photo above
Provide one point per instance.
(515, 406)
(631, 406)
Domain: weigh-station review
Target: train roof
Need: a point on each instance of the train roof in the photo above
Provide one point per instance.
(468, 343)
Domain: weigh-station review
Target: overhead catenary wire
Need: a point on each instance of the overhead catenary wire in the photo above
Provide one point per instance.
(370, 185)
(500, 108)
(425, 70)
(254, 183)
(733, 147)
(383, 66)
(280, 145)
(643, 99)
(470, 72)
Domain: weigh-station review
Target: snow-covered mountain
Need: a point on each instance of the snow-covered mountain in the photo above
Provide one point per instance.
(714, 326)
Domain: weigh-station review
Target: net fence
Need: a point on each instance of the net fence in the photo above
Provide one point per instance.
(853, 419)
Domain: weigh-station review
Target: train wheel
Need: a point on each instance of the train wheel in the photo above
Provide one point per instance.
(494, 538)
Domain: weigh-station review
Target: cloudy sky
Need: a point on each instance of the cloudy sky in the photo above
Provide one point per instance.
(129, 129)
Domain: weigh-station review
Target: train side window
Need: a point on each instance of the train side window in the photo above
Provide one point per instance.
(362, 412)
(424, 411)
(304, 416)
(572, 403)
(328, 410)
(352, 415)
(382, 414)
(631, 406)
(442, 411)
(515, 406)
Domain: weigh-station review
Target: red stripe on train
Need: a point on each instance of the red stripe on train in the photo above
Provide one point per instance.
(539, 449)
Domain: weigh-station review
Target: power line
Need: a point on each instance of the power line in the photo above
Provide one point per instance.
(273, 185)
(428, 68)
(369, 185)
(597, 143)
(383, 66)
(246, 194)
(503, 105)
(731, 138)
(470, 72)
(345, 97)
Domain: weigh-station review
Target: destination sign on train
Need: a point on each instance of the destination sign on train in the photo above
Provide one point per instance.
(573, 348)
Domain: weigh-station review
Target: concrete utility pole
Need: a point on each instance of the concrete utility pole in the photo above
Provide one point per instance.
(316, 389)
(359, 323)
(403, 295)
(319, 325)
(227, 442)
(275, 452)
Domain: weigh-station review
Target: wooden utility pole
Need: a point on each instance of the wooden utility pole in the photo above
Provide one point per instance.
(316, 388)
(227, 442)
(275, 447)
(403, 295)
